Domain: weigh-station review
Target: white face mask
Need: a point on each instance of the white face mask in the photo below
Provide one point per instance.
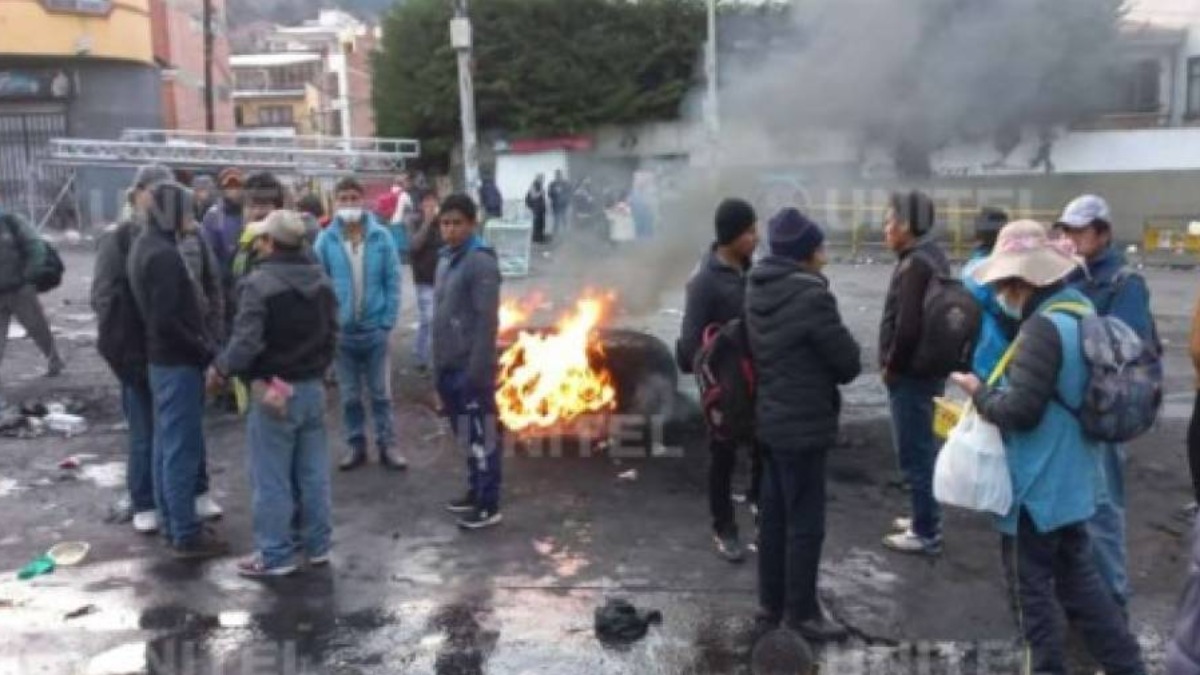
(350, 214)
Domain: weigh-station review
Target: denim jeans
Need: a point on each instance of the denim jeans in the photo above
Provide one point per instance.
(138, 406)
(912, 430)
(289, 476)
(362, 363)
(178, 454)
(1107, 527)
(472, 416)
(1055, 572)
(424, 324)
(791, 533)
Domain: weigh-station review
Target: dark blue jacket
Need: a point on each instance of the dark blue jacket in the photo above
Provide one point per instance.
(1117, 291)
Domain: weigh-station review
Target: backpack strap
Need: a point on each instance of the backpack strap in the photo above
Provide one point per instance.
(1078, 310)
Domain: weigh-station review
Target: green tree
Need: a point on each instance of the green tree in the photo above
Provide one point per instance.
(541, 66)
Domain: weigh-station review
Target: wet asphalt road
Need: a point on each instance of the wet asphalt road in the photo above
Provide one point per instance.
(408, 593)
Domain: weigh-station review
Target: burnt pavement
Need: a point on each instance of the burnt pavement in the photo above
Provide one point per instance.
(409, 593)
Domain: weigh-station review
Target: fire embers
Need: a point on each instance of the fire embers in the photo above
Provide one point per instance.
(552, 380)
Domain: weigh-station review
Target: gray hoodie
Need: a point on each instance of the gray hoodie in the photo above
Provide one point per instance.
(466, 312)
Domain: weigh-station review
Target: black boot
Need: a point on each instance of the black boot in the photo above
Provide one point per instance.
(392, 461)
(354, 458)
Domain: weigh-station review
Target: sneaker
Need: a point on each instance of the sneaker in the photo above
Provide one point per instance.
(354, 458)
(464, 505)
(902, 524)
(480, 519)
(145, 522)
(204, 545)
(254, 568)
(318, 560)
(392, 461)
(1188, 513)
(207, 509)
(55, 367)
(729, 547)
(909, 542)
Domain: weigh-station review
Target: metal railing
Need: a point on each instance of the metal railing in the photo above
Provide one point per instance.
(402, 147)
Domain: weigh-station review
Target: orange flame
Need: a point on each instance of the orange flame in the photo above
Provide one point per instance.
(515, 313)
(550, 379)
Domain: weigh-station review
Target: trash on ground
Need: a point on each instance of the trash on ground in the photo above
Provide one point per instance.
(81, 612)
(43, 564)
(619, 622)
(65, 423)
(71, 462)
(69, 553)
(630, 475)
(16, 331)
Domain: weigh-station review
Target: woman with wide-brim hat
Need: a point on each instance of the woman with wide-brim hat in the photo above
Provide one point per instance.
(1054, 466)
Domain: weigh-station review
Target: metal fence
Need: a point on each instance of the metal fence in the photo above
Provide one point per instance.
(27, 185)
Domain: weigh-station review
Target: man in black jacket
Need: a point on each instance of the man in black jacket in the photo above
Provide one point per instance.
(911, 386)
(424, 248)
(802, 352)
(715, 295)
(282, 343)
(178, 349)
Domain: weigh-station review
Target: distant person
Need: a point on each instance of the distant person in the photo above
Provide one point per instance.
(535, 200)
(465, 326)
(1116, 290)
(560, 201)
(360, 257)
(282, 342)
(911, 386)
(313, 212)
(1054, 466)
(263, 194)
(586, 208)
(22, 253)
(178, 349)
(716, 295)
(403, 211)
(205, 190)
(998, 329)
(223, 223)
(491, 199)
(641, 206)
(802, 352)
(426, 240)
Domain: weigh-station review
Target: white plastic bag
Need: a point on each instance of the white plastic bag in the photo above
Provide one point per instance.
(971, 471)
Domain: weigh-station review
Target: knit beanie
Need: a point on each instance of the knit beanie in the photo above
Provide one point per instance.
(734, 218)
(793, 236)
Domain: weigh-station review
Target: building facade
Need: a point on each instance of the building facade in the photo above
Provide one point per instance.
(276, 93)
(178, 41)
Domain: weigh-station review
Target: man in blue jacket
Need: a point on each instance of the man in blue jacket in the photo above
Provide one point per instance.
(466, 320)
(998, 328)
(1117, 291)
(359, 255)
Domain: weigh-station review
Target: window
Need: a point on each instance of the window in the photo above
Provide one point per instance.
(239, 117)
(1193, 88)
(90, 7)
(1137, 89)
(275, 116)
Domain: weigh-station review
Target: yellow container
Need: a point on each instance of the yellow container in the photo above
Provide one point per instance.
(946, 414)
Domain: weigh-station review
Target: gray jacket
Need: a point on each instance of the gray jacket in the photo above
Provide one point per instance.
(466, 312)
(202, 264)
(716, 294)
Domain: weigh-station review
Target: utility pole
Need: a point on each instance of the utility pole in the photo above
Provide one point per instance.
(712, 112)
(460, 39)
(210, 122)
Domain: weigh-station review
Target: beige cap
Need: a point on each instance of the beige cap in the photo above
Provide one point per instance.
(285, 227)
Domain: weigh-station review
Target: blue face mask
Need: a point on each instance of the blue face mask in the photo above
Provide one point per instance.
(1009, 310)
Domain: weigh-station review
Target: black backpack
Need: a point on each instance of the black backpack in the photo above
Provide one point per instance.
(951, 323)
(49, 275)
(726, 377)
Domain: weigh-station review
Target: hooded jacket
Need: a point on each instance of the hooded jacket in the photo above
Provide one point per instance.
(286, 325)
(168, 300)
(716, 294)
(21, 252)
(466, 312)
(120, 332)
(1055, 467)
(802, 351)
(904, 308)
(1117, 291)
(381, 276)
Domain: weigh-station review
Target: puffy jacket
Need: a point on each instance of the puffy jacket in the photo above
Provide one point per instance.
(1183, 654)
(998, 329)
(381, 276)
(716, 294)
(1055, 468)
(286, 324)
(176, 334)
(1117, 291)
(802, 351)
(21, 252)
(904, 308)
(466, 312)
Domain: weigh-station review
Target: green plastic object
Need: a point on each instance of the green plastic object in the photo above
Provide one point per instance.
(40, 565)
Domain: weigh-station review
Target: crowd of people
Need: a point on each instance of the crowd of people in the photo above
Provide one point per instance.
(1063, 540)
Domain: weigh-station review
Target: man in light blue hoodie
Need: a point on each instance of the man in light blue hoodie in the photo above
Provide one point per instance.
(359, 255)
(466, 320)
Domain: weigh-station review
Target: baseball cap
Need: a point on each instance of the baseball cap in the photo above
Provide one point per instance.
(284, 227)
(149, 176)
(1084, 211)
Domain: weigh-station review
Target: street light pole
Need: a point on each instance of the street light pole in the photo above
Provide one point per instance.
(209, 95)
(460, 39)
(712, 114)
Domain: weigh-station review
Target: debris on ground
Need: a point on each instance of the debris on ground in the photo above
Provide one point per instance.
(628, 476)
(618, 622)
(69, 553)
(43, 564)
(65, 423)
(70, 463)
(80, 612)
